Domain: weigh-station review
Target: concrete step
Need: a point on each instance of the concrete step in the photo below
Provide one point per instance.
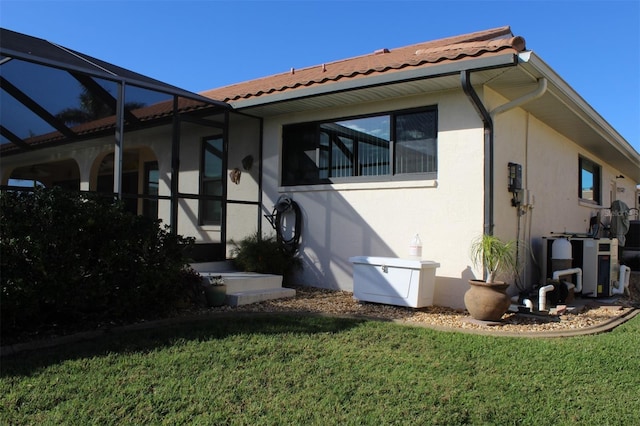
(222, 266)
(247, 281)
(255, 296)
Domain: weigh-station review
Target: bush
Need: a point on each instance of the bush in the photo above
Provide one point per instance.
(69, 258)
(264, 255)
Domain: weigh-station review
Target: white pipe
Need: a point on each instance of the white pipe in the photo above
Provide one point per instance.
(542, 297)
(528, 303)
(578, 271)
(623, 281)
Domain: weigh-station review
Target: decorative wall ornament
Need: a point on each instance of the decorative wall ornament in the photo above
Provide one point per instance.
(235, 175)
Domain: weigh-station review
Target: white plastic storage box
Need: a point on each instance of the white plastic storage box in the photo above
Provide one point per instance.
(394, 281)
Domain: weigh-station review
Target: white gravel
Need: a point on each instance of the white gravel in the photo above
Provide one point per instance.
(322, 301)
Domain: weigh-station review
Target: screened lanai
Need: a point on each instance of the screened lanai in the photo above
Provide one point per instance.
(71, 120)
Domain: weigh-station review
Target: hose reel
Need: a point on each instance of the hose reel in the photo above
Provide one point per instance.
(284, 207)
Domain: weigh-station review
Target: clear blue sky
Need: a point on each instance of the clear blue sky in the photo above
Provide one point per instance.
(198, 45)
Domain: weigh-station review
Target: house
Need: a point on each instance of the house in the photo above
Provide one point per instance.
(448, 139)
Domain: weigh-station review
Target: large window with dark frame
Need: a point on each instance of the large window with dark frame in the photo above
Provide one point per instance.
(400, 144)
(211, 181)
(589, 180)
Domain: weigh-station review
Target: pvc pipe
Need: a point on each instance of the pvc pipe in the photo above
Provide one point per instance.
(623, 281)
(528, 303)
(542, 297)
(578, 271)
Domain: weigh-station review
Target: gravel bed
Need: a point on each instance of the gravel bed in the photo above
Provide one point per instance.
(323, 301)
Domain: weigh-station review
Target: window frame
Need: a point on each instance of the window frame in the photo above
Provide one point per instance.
(590, 166)
(392, 175)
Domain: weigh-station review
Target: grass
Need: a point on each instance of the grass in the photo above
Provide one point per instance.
(311, 370)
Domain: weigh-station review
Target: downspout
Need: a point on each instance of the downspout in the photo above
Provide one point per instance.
(539, 91)
(487, 119)
(465, 80)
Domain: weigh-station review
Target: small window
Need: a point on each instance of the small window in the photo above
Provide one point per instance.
(401, 143)
(589, 181)
(211, 181)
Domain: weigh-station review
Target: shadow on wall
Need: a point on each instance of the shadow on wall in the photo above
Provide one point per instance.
(333, 231)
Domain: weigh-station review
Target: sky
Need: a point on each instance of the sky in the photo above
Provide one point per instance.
(199, 45)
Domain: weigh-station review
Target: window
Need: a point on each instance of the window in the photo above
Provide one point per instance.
(589, 180)
(402, 143)
(211, 181)
(151, 184)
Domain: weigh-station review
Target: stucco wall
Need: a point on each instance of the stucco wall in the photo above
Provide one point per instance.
(550, 174)
(379, 219)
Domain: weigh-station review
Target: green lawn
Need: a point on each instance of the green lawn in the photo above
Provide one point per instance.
(286, 370)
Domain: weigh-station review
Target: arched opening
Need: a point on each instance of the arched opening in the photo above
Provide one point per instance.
(65, 174)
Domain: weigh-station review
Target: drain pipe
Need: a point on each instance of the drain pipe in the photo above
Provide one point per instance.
(465, 81)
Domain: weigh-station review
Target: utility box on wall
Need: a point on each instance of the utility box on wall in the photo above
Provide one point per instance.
(394, 281)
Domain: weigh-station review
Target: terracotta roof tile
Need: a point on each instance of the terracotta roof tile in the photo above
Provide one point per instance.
(381, 61)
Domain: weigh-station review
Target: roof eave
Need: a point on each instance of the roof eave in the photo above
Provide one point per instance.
(629, 158)
(380, 79)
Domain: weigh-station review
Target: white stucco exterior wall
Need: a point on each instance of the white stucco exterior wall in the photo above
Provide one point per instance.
(550, 174)
(379, 219)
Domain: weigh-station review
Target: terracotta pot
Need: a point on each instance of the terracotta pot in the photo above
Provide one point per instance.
(487, 302)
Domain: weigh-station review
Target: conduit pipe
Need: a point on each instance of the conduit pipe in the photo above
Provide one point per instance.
(542, 296)
(623, 281)
(563, 272)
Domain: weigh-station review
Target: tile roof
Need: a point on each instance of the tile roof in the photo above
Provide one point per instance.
(456, 48)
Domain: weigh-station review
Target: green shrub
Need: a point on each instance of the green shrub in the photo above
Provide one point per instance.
(69, 258)
(264, 255)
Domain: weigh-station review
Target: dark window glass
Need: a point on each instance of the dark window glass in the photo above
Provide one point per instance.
(211, 181)
(151, 183)
(589, 180)
(361, 147)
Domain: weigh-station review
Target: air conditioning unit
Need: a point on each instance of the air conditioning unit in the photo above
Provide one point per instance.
(598, 259)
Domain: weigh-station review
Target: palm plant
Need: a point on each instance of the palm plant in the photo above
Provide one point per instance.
(494, 255)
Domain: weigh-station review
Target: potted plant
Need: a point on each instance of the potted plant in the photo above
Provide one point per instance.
(215, 290)
(487, 300)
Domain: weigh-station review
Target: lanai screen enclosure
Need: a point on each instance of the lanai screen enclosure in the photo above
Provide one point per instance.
(53, 96)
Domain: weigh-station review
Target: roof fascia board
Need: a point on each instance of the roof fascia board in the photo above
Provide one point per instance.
(381, 79)
(580, 107)
(98, 72)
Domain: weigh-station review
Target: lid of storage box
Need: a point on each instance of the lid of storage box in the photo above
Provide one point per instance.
(394, 262)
